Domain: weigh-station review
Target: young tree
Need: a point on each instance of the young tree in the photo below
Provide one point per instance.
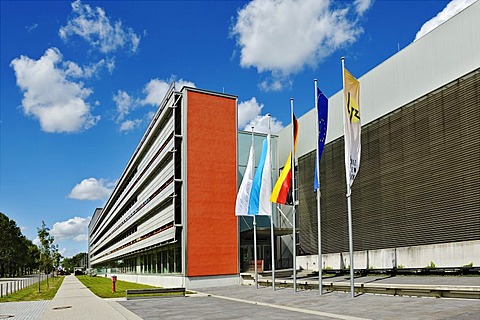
(56, 256)
(46, 242)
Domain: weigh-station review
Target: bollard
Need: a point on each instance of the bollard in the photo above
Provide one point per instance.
(114, 280)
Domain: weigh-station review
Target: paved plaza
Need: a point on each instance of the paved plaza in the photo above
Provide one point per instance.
(246, 302)
(74, 301)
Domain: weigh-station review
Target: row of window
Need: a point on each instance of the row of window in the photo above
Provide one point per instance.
(134, 173)
(163, 163)
(164, 260)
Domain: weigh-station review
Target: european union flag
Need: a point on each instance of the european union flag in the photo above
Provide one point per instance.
(322, 111)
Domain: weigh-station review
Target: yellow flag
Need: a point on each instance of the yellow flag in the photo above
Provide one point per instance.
(352, 126)
(352, 97)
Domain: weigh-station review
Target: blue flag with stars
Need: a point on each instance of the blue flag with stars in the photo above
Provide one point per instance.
(322, 111)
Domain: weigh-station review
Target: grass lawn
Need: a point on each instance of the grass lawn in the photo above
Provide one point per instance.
(31, 293)
(102, 286)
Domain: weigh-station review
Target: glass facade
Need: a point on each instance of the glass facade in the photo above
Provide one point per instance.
(166, 259)
(263, 222)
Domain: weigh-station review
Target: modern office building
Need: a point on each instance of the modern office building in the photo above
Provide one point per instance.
(416, 200)
(170, 213)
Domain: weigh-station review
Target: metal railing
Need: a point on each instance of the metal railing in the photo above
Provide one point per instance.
(12, 285)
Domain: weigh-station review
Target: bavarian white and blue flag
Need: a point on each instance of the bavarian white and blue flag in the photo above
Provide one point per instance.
(259, 203)
(243, 195)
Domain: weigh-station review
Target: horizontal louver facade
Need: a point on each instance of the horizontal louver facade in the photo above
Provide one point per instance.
(419, 178)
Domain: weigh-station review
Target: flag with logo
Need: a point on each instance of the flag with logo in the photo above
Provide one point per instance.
(351, 126)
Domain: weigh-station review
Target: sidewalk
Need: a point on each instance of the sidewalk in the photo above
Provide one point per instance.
(75, 301)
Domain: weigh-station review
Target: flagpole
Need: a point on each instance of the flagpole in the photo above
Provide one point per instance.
(319, 222)
(254, 228)
(272, 233)
(349, 206)
(293, 198)
(255, 249)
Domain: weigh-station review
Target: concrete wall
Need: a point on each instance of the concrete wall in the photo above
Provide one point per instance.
(153, 280)
(213, 281)
(178, 281)
(455, 254)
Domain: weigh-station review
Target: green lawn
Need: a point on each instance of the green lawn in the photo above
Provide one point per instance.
(102, 286)
(31, 293)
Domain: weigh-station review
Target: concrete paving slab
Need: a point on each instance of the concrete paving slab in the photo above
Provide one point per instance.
(75, 301)
(246, 302)
(28, 310)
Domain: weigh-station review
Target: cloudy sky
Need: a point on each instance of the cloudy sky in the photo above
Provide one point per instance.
(81, 80)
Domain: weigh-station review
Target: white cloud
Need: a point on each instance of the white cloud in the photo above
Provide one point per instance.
(283, 36)
(31, 27)
(63, 251)
(81, 237)
(452, 8)
(260, 124)
(56, 101)
(91, 189)
(129, 125)
(154, 92)
(75, 71)
(125, 103)
(248, 110)
(156, 89)
(110, 64)
(74, 228)
(150, 115)
(95, 27)
(275, 84)
(36, 241)
(249, 116)
(362, 5)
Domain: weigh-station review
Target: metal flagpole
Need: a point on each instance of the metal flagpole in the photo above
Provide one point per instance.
(319, 222)
(272, 233)
(255, 249)
(293, 198)
(349, 205)
(350, 242)
(254, 227)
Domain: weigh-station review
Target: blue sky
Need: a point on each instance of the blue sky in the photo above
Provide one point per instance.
(80, 81)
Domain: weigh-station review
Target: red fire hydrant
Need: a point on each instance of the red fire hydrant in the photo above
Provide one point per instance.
(114, 279)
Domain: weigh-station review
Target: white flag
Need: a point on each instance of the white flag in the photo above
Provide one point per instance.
(351, 126)
(243, 195)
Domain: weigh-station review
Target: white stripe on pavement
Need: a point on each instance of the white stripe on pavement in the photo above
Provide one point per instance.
(317, 313)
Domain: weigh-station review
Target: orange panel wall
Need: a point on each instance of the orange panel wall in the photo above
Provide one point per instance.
(212, 242)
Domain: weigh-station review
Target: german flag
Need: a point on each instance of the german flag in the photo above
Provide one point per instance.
(281, 192)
